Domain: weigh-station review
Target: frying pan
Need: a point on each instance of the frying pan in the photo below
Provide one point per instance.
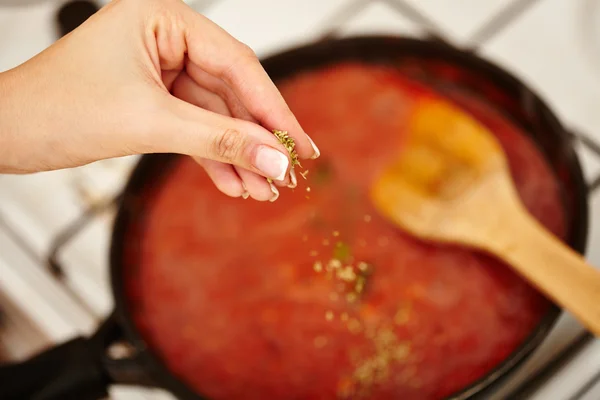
(83, 368)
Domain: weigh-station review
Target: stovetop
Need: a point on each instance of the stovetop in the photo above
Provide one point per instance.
(54, 226)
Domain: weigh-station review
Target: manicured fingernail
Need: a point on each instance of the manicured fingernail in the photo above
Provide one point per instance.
(317, 153)
(293, 181)
(272, 163)
(274, 191)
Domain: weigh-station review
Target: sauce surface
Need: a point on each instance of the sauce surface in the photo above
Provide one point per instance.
(242, 300)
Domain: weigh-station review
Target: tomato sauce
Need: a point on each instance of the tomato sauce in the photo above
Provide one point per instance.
(242, 300)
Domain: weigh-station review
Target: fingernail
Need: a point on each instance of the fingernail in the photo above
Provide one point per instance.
(272, 163)
(317, 153)
(245, 195)
(293, 181)
(274, 191)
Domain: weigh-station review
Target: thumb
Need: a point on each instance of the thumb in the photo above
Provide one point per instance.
(187, 129)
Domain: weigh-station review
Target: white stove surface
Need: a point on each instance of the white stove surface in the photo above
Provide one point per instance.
(554, 45)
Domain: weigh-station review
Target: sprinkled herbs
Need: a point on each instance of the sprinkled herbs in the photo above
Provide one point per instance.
(341, 251)
(334, 263)
(350, 279)
(322, 173)
(377, 367)
(318, 266)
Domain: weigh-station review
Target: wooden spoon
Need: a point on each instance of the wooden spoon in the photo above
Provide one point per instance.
(452, 184)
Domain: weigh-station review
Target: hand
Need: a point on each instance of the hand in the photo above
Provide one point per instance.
(150, 76)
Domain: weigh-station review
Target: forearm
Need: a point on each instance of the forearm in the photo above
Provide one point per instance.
(47, 118)
(28, 120)
(13, 124)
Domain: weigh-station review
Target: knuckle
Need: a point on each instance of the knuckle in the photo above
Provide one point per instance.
(229, 144)
(244, 56)
(246, 52)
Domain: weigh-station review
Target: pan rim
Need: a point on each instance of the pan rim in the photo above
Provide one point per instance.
(578, 225)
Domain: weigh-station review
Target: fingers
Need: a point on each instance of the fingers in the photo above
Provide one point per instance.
(218, 98)
(256, 186)
(186, 89)
(224, 57)
(215, 85)
(223, 176)
(205, 134)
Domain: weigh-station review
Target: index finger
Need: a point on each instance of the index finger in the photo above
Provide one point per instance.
(220, 54)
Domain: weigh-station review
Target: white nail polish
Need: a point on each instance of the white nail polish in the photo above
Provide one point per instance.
(245, 193)
(293, 181)
(272, 163)
(274, 191)
(317, 153)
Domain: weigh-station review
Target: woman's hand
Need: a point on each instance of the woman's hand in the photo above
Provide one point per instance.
(149, 76)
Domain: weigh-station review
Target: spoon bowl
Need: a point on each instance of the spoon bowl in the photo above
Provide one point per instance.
(451, 183)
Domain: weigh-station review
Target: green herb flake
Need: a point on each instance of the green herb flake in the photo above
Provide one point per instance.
(323, 173)
(341, 251)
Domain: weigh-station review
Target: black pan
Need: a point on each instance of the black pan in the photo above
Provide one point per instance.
(83, 368)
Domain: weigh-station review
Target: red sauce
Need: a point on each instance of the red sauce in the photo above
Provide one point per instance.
(226, 293)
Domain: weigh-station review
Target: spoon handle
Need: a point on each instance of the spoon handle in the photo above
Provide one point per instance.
(553, 267)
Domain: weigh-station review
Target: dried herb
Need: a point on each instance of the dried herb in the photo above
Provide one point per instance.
(376, 369)
(323, 173)
(318, 266)
(341, 251)
(289, 144)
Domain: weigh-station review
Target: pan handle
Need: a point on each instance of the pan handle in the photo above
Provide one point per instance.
(72, 370)
(80, 369)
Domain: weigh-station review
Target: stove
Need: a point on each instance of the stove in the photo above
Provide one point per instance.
(55, 226)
